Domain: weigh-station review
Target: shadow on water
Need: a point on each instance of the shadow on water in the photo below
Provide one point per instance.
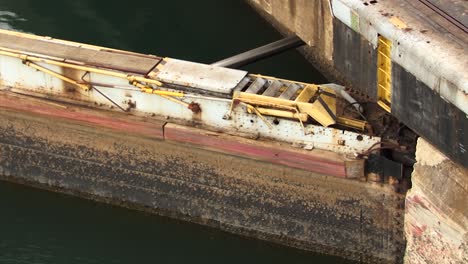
(43, 227)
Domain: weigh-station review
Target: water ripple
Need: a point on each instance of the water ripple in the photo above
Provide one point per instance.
(8, 19)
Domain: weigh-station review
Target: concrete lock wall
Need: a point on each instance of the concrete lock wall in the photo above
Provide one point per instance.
(349, 218)
(311, 20)
(436, 211)
(342, 38)
(436, 218)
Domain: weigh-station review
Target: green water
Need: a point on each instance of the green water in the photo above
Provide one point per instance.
(43, 227)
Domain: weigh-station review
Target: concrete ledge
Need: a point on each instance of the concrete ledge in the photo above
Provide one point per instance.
(419, 45)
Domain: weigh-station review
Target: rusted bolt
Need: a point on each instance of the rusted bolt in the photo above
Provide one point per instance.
(341, 142)
(130, 105)
(194, 107)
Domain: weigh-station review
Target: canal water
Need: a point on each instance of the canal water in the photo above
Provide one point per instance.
(43, 227)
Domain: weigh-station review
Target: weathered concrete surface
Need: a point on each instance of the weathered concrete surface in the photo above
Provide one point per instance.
(348, 218)
(429, 95)
(312, 21)
(429, 87)
(436, 218)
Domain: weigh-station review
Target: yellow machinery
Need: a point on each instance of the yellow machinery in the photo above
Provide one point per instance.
(384, 73)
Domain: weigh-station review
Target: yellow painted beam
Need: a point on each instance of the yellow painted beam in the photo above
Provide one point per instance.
(130, 78)
(353, 123)
(315, 110)
(57, 75)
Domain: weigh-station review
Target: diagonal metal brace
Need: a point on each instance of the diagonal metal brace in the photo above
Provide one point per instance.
(84, 87)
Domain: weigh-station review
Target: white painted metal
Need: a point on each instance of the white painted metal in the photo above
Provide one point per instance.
(202, 76)
(14, 74)
(342, 12)
(17, 75)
